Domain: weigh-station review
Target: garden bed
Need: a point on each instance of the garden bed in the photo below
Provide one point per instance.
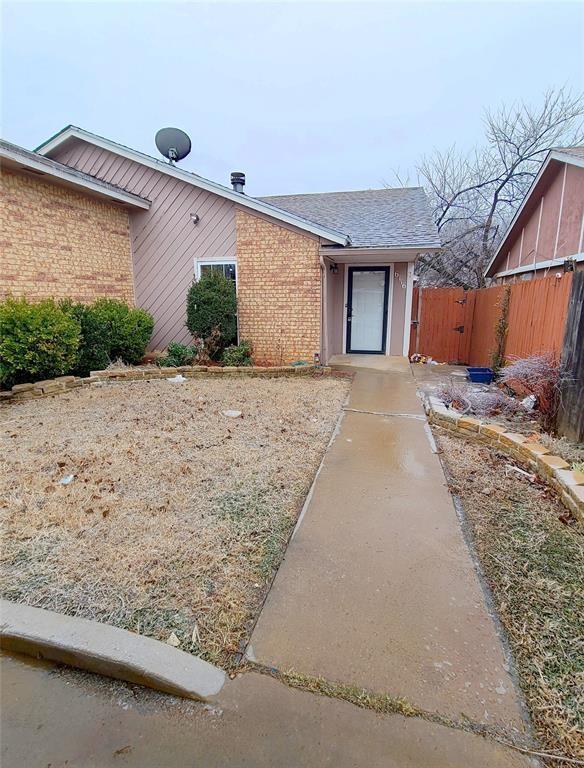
(532, 554)
(141, 504)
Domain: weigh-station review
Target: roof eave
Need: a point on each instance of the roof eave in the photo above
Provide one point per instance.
(420, 247)
(73, 132)
(73, 178)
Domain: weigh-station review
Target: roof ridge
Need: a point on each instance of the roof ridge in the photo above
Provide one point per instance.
(342, 192)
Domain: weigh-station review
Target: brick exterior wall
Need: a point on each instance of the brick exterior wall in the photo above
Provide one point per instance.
(278, 290)
(57, 242)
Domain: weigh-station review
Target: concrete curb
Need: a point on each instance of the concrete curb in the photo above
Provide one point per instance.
(553, 470)
(106, 650)
(66, 383)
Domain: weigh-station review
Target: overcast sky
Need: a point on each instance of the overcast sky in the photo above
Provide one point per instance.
(303, 97)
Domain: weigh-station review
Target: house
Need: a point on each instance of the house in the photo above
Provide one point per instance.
(318, 274)
(547, 232)
(63, 233)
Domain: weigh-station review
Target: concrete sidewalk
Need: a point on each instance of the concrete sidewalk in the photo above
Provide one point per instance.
(81, 721)
(378, 588)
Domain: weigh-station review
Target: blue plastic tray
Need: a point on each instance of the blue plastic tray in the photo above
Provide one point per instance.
(481, 375)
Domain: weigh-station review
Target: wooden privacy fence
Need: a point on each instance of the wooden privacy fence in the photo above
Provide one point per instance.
(571, 415)
(457, 326)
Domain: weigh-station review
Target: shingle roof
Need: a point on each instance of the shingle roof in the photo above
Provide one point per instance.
(373, 218)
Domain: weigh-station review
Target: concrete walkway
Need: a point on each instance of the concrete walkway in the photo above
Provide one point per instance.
(378, 588)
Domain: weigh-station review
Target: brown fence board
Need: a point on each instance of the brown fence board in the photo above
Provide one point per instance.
(439, 315)
(487, 312)
(536, 321)
(537, 316)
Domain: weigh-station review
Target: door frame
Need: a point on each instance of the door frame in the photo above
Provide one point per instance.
(350, 268)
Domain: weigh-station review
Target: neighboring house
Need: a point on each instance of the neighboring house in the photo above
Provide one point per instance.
(547, 232)
(315, 274)
(62, 232)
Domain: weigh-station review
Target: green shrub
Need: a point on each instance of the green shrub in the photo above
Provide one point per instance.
(128, 330)
(238, 354)
(37, 341)
(94, 347)
(178, 354)
(212, 308)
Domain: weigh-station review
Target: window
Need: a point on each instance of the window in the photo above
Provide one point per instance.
(226, 268)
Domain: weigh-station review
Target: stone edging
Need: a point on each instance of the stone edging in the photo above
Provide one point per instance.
(553, 470)
(66, 383)
(107, 650)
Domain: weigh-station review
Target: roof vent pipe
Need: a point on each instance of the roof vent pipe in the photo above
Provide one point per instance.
(238, 181)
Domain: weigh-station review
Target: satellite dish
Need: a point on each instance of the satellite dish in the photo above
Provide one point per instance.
(173, 143)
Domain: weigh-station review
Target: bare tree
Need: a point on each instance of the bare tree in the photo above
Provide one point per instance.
(475, 196)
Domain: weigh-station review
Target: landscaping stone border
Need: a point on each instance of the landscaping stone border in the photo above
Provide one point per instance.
(107, 650)
(66, 383)
(569, 484)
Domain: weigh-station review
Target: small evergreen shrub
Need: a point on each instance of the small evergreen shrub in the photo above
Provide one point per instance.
(178, 354)
(94, 346)
(212, 310)
(238, 354)
(37, 341)
(128, 330)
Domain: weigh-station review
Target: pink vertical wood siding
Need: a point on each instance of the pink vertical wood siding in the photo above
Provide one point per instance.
(569, 241)
(552, 196)
(165, 242)
(551, 222)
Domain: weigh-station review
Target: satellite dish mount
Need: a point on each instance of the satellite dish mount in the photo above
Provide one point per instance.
(173, 143)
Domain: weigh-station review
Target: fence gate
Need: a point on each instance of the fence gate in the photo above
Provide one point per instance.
(445, 317)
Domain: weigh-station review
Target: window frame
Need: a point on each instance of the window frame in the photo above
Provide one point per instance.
(213, 262)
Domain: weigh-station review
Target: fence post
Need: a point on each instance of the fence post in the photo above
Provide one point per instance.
(571, 410)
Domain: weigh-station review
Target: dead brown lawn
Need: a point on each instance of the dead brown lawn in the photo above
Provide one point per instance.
(532, 554)
(176, 516)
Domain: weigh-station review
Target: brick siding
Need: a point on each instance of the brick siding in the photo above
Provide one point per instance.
(278, 290)
(57, 242)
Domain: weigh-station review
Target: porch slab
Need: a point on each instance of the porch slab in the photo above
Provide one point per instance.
(378, 588)
(395, 363)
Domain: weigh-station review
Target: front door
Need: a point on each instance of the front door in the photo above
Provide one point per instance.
(367, 297)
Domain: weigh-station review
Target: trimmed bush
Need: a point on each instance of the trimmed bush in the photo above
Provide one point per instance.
(110, 330)
(178, 354)
(37, 341)
(128, 330)
(238, 354)
(212, 310)
(94, 348)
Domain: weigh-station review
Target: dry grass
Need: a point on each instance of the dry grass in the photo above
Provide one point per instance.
(177, 515)
(571, 452)
(533, 557)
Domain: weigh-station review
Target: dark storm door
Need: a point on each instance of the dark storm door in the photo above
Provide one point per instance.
(367, 301)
